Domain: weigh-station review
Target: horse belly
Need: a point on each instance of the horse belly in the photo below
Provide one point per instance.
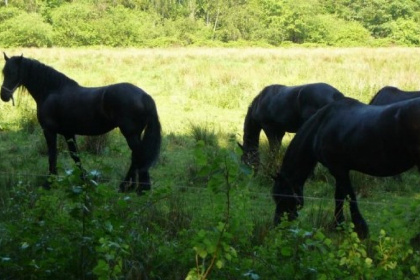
(88, 128)
(368, 160)
(384, 169)
(382, 163)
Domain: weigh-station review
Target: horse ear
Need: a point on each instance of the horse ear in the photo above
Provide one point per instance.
(5, 56)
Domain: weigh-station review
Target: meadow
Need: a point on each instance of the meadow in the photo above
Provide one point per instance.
(206, 214)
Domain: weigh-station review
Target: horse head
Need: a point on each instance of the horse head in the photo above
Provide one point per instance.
(250, 157)
(287, 197)
(12, 78)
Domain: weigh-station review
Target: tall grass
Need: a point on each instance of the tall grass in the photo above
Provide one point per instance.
(212, 87)
(202, 94)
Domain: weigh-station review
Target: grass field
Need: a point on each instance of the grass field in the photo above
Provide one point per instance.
(203, 94)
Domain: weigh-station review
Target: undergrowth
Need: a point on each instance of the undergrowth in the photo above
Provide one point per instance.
(82, 229)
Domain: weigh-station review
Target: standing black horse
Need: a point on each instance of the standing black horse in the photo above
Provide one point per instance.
(64, 107)
(348, 135)
(388, 95)
(278, 109)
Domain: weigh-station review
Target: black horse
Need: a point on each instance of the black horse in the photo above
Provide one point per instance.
(348, 135)
(64, 107)
(388, 95)
(278, 109)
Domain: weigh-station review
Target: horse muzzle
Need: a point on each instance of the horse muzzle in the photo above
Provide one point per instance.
(5, 97)
(7, 94)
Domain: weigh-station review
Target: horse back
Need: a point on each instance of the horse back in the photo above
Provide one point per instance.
(389, 94)
(312, 97)
(292, 105)
(376, 140)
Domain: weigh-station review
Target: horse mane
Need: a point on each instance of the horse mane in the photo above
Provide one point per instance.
(43, 76)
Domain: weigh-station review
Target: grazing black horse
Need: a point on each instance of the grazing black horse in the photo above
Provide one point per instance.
(64, 107)
(348, 135)
(388, 95)
(278, 109)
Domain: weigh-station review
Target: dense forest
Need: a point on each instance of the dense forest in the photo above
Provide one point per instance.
(162, 23)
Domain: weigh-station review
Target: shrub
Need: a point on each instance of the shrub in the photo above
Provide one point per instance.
(8, 13)
(122, 27)
(74, 25)
(25, 30)
(405, 32)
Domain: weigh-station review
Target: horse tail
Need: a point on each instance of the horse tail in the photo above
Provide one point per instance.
(152, 135)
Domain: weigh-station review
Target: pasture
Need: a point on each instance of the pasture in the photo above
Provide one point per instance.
(205, 213)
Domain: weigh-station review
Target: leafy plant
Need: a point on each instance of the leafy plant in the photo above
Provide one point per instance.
(213, 247)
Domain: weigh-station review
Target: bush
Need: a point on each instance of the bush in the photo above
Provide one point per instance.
(8, 13)
(405, 32)
(74, 25)
(337, 32)
(24, 30)
(122, 27)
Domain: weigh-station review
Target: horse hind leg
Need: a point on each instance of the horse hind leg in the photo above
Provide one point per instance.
(136, 179)
(127, 184)
(144, 182)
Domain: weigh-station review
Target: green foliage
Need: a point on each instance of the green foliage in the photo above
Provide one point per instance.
(73, 25)
(213, 247)
(405, 32)
(121, 27)
(86, 229)
(25, 30)
(183, 23)
(206, 134)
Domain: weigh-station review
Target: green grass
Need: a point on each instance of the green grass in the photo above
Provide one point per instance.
(202, 94)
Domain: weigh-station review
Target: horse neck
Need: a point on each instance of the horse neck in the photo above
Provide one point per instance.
(299, 169)
(299, 160)
(252, 131)
(40, 79)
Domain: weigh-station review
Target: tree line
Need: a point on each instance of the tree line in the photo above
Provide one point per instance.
(161, 23)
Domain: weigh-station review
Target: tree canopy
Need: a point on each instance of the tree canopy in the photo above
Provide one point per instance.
(160, 23)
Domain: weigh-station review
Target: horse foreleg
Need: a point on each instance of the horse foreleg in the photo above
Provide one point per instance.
(359, 222)
(51, 139)
(344, 189)
(340, 196)
(274, 135)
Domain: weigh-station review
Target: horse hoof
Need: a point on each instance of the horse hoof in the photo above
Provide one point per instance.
(362, 230)
(415, 241)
